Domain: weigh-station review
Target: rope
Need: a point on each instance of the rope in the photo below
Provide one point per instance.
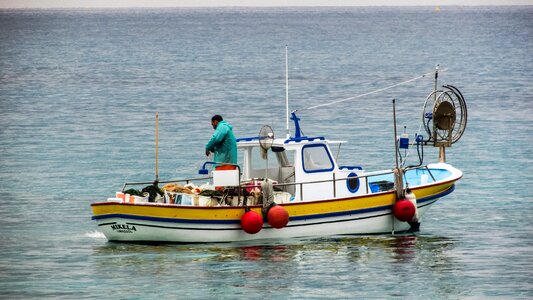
(409, 150)
(375, 92)
(420, 126)
(372, 92)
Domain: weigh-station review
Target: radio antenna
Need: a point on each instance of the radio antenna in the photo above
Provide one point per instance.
(287, 91)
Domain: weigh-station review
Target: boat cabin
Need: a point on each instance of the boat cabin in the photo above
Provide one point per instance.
(303, 166)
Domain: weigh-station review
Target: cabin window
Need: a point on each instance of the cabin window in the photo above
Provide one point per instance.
(316, 158)
(258, 162)
(286, 158)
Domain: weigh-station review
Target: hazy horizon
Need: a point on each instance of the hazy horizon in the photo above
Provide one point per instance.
(246, 3)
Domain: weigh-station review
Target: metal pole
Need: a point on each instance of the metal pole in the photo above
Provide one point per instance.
(442, 154)
(287, 90)
(397, 172)
(157, 146)
(436, 77)
(334, 187)
(395, 133)
(434, 134)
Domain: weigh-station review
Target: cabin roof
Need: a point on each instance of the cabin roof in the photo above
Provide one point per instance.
(254, 141)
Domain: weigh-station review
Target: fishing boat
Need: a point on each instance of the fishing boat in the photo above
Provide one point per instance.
(292, 187)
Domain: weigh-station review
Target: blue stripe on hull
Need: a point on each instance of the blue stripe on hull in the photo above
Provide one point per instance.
(421, 203)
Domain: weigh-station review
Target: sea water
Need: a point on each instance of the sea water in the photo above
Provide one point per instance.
(79, 90)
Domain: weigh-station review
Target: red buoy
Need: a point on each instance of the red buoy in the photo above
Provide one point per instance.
(404, 210)
(251, 222)
(277, 217)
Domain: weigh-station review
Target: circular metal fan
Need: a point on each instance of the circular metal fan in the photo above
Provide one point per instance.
(447, 109)
(266, 137)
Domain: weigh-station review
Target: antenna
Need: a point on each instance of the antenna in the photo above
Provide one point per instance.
(436, 79)
(287, 90)
(157, 146)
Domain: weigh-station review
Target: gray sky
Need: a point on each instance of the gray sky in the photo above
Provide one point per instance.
(208, 3)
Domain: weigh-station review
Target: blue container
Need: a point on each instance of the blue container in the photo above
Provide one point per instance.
(404, 143)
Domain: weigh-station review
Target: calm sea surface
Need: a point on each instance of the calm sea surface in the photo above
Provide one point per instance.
(78, 94)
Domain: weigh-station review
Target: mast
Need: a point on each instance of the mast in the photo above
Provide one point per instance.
(287, 91)
(442, 148)
(157, 146)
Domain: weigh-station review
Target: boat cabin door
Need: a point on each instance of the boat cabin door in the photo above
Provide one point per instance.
(314, 163)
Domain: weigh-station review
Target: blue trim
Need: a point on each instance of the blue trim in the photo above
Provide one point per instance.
(350, 168)
(171, 220)
(304, 138)
(184, 228)
(446, 192)
(247, 139)
(320, 170)
(353, 191)
(426, 201)
(297, 130)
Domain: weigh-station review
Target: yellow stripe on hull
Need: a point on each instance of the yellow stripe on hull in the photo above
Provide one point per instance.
(227, 213)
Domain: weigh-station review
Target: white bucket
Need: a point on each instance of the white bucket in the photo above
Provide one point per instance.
(139, 199)
(225, 177)
(213, 202)
(195, 200)
(186, 199)
(204, 200)
(234, 201)
(282, 197)
(424, 179)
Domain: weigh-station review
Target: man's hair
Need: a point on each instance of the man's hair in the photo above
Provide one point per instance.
(217, 118)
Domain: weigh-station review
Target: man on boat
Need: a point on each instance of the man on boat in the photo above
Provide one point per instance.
(223, 142)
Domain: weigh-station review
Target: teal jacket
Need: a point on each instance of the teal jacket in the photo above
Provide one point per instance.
(223, 144)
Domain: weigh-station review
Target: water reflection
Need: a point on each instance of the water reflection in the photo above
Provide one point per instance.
(278, 253)
(397, 249)
(290, 266)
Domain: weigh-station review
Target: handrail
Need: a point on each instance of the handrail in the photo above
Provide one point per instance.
(186, 180)
(353, 177)
(334, 180)
(429, 171)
